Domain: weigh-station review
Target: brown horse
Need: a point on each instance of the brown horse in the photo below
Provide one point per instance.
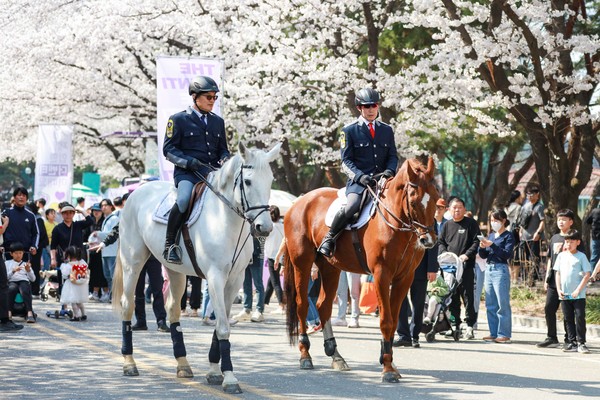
(394, 241)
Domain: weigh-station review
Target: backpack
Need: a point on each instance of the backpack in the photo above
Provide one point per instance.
(78, 275)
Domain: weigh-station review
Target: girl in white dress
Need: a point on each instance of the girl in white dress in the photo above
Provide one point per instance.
(75, 275)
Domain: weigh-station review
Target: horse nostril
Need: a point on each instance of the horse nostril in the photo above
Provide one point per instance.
(258, 228)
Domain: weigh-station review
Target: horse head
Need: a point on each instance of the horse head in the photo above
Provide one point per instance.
(249, 175)
(419, 196)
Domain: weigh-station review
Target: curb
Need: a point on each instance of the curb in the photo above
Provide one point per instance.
(593, 331)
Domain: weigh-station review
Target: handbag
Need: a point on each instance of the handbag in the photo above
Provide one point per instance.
(368, 298)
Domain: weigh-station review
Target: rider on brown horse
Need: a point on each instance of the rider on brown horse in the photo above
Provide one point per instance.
(367, 148)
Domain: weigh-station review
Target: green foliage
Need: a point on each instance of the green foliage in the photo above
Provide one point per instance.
(592, 310)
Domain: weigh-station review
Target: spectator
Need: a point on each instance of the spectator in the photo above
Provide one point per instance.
(67, 233)
(195, 297)
(513, 209)
(75, 275)
(497, 250)
(594, 220)
(6, 324)
(20, 275)
(154, 271)
(531, 224)
(271, 246)
(254, 274)
(459, 236)
(41, 205)
(23, 227)
(564, 221)
(49, 224)
(572, 270)
(80, 208)
(97, 279)
(348, 280)
(36, 259)
(109, 253)
(408, 334)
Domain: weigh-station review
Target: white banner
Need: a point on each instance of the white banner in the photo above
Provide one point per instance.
(173, 76)
(54, 166)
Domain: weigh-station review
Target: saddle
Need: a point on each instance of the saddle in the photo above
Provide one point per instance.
(161, 212)
(360, 218)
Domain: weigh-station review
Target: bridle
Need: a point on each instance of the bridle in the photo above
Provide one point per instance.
(410, 226)
(246, 207)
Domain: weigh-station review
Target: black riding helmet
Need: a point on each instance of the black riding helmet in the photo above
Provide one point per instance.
(366, 96)
(202, 84)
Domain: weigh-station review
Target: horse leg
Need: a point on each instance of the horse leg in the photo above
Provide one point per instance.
(220, 350)
(330, 277)
(387, 324)
(177, 282)
(302, 276)
(338, 362)
(124, 283)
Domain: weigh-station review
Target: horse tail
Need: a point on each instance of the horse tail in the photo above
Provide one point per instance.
(117, 284)
(290, 290)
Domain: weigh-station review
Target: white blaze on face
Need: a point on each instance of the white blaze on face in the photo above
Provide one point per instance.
(425, 200)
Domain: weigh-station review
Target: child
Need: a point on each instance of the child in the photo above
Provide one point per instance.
(75, 283)
(573, 270)
(564, 221)
(20, 275)
(436, 290)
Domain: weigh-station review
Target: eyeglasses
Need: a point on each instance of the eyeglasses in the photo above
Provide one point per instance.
(370, 105)
(531, 194)
(210, 97)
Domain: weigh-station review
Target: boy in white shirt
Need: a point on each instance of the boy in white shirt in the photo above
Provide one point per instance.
(573, 270)
(20, 275)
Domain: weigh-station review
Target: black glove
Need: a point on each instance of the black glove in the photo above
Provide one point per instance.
(388, 173)
(194, 165)
(366, 180)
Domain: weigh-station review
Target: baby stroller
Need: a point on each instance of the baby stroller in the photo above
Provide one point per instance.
(49, 286)
(452, 269)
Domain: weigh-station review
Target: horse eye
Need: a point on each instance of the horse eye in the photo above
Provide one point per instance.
(247, 182)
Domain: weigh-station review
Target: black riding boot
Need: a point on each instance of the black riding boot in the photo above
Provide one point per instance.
(327, 247)
(172, 250)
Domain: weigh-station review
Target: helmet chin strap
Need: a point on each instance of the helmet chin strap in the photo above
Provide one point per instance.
(195, 98)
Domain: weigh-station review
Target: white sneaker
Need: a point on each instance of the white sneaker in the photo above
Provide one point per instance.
(257, 316)
(209, 322)
(278, 311)
(469, 334)
(232, 321)
(244, 315)
(353, 323)
(339, 322)
(426, 320)
(193, 313)
(94, 297)
(105, 298)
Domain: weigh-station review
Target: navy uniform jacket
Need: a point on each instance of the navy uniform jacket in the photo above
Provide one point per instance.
(187, 138)
(22, 227)
(361, 154)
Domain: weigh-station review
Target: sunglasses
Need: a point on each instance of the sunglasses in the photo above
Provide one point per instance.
(370, 106)
(210, 97)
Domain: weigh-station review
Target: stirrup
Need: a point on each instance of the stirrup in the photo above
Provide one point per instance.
(173, 254)
(322, 249)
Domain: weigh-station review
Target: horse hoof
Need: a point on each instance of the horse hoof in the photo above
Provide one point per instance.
(232, 388)
(214, 379)
(391, 377)
(185, 372)
(130, 370)
(340, 365)
(306, 363)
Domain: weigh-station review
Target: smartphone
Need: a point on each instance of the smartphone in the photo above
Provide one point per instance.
(480, 237)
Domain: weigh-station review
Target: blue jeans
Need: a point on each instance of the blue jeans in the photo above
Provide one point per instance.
(46, 258)
(108, 268)
(595, 253)
(254, 273)
(497, 300)
(479, 279)
(313, 314)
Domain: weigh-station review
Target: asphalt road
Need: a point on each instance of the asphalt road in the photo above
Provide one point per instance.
(59, 359)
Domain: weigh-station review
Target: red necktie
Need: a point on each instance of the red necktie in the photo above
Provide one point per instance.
(372, 130)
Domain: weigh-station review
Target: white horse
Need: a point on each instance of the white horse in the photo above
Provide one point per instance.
(222, 246)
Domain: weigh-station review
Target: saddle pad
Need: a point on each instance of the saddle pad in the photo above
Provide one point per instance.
(339, 202)
(162, 210)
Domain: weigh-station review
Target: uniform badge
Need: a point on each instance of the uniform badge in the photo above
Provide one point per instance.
(170, 129)
(342, 139)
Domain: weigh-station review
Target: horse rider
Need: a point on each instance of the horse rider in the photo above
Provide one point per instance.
(367, 148)
(195, 142)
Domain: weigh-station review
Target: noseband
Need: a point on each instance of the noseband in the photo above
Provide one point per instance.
(245, 205)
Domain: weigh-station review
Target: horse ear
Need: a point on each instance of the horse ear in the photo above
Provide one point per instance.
(274, 152)
(243, 150)
(412, 175)
(430, 168)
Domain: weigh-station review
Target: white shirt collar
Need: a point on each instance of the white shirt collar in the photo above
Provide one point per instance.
(362, 120)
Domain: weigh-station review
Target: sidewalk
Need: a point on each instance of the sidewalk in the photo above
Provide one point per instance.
(539, 325)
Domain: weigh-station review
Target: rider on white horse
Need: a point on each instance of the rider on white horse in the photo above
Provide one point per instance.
(195, 142)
